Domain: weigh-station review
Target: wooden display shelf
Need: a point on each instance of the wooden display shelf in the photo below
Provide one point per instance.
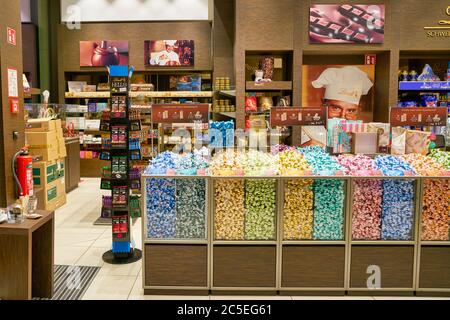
(87, 95)
(32, 92)
(268, 86)
(228, 93)
(171, 94)
(92, 168)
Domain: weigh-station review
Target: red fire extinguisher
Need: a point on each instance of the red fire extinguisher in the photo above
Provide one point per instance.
(23, 172)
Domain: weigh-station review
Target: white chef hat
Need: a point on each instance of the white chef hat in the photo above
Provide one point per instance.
(346, 84)
(170, 42)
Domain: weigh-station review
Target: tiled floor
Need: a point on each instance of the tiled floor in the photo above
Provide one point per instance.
(79, 242)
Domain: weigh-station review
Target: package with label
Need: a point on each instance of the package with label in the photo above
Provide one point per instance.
(398, 141)
(383, 130)
(417, 142)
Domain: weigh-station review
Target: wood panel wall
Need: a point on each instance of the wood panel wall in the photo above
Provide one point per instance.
(223, 39)
(284, 25)
(136, 34)
(10, 56)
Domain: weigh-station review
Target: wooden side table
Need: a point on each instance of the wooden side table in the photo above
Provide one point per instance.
(26, 258)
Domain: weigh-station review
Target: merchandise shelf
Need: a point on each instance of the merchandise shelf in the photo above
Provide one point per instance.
(424, 85)
(301, 266)
(268, 86)
(383, 234)
(88, 95)
(171, 94)
(176, 240)
(433, 267)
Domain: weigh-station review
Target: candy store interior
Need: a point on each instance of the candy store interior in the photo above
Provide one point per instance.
(271, 150)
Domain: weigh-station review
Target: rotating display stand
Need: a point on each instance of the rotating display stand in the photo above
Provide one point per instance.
(121, 153)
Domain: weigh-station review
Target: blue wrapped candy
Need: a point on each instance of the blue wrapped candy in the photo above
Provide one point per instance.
(397, 215)
(160, 207)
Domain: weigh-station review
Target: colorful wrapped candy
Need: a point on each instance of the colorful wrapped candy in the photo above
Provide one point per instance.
(292, 162)
(227, 163)
(436, 210)
(257, 163)
(321, 162)
(298, 210)
(423, 165)
(162, 162)
(161, 213)
(367, 197)
(260, 199)
(328, 209)
(229, 209)
(442, 157)
(190, 208)
(397, 217)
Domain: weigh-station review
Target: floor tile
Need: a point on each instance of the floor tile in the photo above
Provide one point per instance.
(75, 239)
(68, 255)
(411, 298)
(92, 257)
(131, 269)
(110, 288)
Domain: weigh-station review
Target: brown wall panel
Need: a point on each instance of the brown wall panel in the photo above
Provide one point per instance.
(10, 57)
(434, 267)
(411, 16)
(176, 265)
(30, 53)
(396, 264)
(244, 266)
(223, 37)
(313, 266)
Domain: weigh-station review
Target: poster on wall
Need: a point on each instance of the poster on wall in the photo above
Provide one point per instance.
(346, 23)
(347, 91)
(104, 53)
(169, 53)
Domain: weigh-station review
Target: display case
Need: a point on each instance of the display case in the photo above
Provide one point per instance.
(313, 250)
(433, 269)
(175, 234)
(383, 235)
(244, 227)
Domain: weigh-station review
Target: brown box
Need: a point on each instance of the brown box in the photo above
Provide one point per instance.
(53, 195)
(42, 140)
(46, 154)
(42, 125)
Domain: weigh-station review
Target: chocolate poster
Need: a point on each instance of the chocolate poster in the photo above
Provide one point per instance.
(169, 53)
(104, 53)
(346, 23)
(346, 91)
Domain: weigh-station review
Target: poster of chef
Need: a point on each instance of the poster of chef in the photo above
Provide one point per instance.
(169, 53)
(347, 91)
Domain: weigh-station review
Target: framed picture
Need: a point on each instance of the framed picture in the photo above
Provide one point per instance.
(347, 90)
(104, 53)
(169, 53)
(346, 23)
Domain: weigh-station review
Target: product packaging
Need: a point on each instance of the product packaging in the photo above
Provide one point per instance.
(417, 142)
(398, 141)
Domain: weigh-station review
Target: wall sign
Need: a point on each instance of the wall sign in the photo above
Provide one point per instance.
(418, 117)
(441, 31)
(13, 88)
(11, 36)
(180, 113)
(297, 116)
(370, 59)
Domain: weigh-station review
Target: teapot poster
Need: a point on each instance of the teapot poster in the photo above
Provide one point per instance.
(104, 53)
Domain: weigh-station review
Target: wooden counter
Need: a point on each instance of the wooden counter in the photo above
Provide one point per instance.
(27, 257)
(72, 164)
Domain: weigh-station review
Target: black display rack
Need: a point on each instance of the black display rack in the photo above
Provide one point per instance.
(121, 122)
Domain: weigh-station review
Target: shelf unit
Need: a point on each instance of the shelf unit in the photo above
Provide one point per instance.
(302, 267)
(433, 268)
(176, 265)
(312, 266)
(396, 259)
